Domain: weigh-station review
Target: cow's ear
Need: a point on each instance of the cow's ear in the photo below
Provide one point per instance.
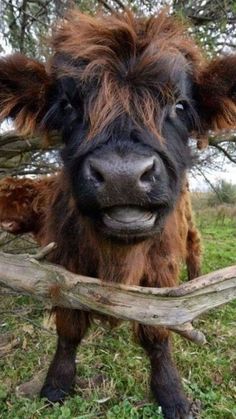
(216, 94)
(25, 88)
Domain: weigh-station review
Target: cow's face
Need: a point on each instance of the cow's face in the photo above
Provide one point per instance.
(126, 109)
(126, 94)
(127, 178)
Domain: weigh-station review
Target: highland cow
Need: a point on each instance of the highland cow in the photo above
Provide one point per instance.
(126, 93)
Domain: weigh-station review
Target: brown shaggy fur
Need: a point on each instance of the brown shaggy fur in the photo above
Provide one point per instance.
(25, 84)
(23, 204)
(121, 66)
(104, 42)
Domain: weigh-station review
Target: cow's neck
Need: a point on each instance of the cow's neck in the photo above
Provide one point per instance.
(113, 261)
(123, 263)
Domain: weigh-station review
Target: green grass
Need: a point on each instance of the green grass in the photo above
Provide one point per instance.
(114, 371)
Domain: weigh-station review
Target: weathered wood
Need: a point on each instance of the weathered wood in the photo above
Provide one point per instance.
(174, 308)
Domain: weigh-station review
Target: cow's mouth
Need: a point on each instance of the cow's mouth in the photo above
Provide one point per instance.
(128, 219)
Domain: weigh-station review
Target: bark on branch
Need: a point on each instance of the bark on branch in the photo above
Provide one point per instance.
(12, 143)
(174, 308)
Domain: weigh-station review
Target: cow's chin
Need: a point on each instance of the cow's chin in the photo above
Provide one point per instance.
(130, 223)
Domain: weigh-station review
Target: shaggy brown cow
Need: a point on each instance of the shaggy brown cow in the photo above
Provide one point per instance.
(126, 93)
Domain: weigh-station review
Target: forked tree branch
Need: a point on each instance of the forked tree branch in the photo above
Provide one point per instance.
(174, 308)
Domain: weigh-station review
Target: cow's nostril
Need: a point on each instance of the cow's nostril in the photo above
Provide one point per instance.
(96, 175)
(118, 172)
(149, 172)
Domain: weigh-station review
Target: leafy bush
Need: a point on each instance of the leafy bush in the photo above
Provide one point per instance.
(224, 192)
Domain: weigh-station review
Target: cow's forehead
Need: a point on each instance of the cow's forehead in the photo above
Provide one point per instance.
(125, 65)
(165, 76)
(121, 39)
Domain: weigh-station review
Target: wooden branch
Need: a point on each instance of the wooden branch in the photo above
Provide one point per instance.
(225, 152)
(106, 5)
(222, 136)
(16, 153)
(43, 252)
(174, 308)
(12, 143)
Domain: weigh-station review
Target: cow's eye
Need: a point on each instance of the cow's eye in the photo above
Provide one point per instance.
(180, 107)
(68, 106)
(68, 109)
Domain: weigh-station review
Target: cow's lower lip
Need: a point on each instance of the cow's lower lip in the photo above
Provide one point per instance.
(129, 219)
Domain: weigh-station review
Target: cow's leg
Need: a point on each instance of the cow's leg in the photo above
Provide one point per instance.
(71, 327)
(165, 381)
(193, 258)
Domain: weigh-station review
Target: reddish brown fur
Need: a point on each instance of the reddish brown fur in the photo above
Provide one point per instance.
(24, 203)
(218, 93)
(24, 86)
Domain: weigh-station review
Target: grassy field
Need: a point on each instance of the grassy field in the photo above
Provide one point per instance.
(113, 370)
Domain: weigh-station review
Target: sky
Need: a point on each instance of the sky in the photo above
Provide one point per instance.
(228, 173)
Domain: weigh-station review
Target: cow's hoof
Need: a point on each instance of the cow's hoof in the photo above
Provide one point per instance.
(177, 409)
(53, 394)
